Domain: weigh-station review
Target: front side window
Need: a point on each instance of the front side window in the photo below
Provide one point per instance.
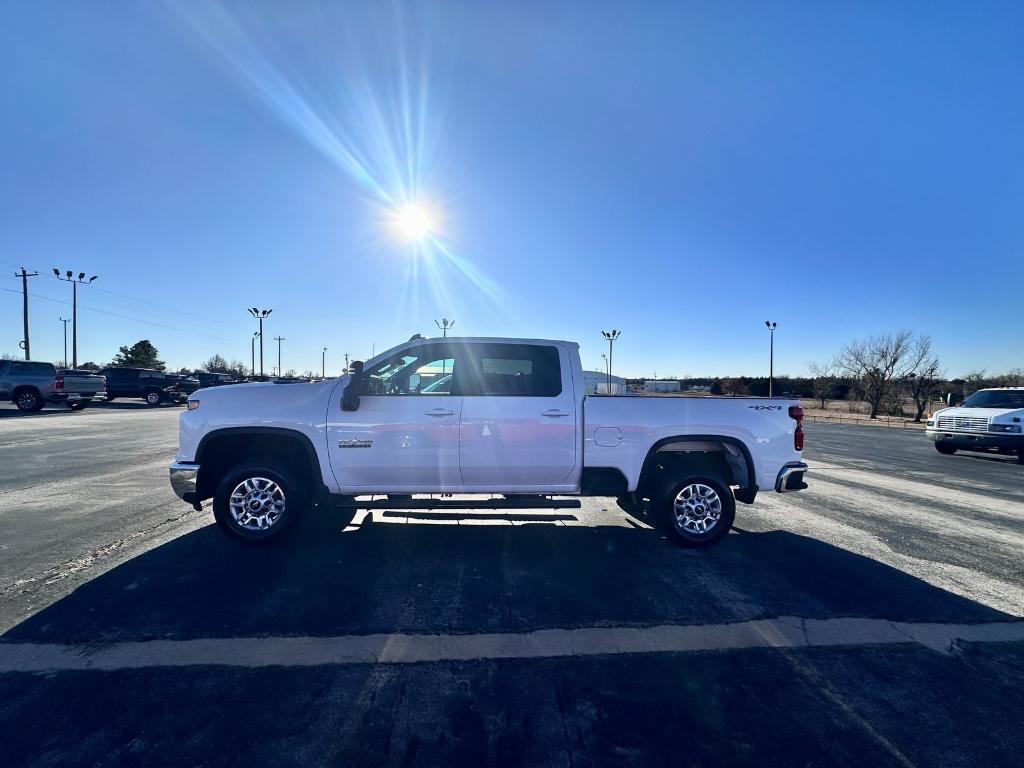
(428, 370)
(511, 370)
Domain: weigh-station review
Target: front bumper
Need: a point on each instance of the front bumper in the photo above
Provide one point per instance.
(1006, 443)
(791, 478)
(183, 480)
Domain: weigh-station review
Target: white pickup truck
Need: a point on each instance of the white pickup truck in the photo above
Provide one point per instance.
(990, 420)
(497, 417)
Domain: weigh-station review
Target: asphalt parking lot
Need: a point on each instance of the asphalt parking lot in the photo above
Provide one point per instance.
(870, 620)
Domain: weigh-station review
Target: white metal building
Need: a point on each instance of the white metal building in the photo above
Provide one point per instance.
(661, 386)
(596, 383)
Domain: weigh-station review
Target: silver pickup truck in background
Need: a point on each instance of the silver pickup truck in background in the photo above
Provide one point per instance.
(30, 385)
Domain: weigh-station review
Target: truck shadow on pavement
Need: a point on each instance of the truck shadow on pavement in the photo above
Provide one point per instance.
(867, 705)
(464, 578)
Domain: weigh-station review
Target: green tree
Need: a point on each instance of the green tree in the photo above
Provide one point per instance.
(90, 366)
(142, 354)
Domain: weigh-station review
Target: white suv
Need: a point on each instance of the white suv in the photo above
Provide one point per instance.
(988, 420)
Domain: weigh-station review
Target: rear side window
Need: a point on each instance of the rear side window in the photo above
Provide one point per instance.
(33, 369)
(511, 370)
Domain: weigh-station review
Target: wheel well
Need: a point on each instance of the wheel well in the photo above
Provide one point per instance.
(725, 458)
(218, 453)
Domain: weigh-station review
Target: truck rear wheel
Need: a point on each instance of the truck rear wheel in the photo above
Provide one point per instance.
(258, 501)
(154, 396)
(696, 511)
(947, 450)
(28, 400)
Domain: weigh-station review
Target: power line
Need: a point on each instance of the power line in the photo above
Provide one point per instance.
(150, 303)
(123, 317)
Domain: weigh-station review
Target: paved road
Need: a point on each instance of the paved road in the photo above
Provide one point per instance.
(824, 631)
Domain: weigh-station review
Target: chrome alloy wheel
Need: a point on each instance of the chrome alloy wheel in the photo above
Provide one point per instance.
(257, 503)
(697, 509)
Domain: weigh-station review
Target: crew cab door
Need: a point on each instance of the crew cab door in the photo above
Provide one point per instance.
(519, 418)
(404, 437)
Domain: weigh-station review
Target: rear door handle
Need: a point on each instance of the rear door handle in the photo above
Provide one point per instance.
(439, 412)
(553, 413)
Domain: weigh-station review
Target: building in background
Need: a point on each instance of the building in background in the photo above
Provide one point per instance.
(662, 385)
(596, 383)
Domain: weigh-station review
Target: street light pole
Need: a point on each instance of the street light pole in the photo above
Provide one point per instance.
(771, 357)
(279, 339)
(611, 335)
(260, 314)
(252, 349)
(323, 364)
(69, 277)
(65, 321)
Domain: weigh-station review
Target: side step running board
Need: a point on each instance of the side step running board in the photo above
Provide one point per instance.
(530, 502)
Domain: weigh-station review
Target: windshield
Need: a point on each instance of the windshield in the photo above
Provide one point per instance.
(994, 398)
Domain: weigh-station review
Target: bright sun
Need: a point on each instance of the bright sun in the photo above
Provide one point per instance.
(414, 222)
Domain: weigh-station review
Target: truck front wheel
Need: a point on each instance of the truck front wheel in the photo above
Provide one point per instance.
(258, 501)
(697, 511)
(943, 448)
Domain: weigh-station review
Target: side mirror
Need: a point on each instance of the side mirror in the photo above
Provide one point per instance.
(355, 387)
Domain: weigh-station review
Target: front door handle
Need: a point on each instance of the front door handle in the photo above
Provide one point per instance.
(553, 413)
(439, 412)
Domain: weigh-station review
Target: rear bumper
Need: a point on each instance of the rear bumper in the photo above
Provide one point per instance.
(977, 440)
(75, 397)
(791, 478)
(183, 480)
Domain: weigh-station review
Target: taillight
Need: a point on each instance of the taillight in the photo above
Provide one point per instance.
(797, 414)
(60, 381)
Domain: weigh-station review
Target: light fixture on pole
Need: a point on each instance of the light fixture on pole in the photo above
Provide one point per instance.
(611, 335)
(444, 324)
(69, 277)
(771, 357)
(323, 364)
(261, 315)
(65, 320)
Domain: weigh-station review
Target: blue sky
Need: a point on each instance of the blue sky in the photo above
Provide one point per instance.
(679, 171)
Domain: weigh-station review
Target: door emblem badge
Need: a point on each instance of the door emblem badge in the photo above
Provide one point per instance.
(355, 443)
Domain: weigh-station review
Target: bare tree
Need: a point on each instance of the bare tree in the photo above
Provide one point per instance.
(824, 381)
(735, 388)
(879, 364)
(925, 378)
(217, 364)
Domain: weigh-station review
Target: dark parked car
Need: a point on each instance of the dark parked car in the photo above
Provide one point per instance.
(30, 385)
(153, 386)
(207, 379)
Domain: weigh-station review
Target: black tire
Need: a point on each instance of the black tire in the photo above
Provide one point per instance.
(679, 529)
(153, 397)
(945, 450)
(274, 487)
(28, 400)
(79, 406)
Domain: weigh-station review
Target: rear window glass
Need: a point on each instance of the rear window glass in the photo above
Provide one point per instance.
(512, 370)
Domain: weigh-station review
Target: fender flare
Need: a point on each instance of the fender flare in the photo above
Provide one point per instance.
(746, 492)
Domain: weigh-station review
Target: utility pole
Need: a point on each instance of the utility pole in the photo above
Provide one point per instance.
(346, 362)
(771, 356)
(279, 339)
(69, 277)
(65, 320)
(611, 335)
(252, 349)
(24, 307)
(261, 315)
(444, 324)
(323, 364)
